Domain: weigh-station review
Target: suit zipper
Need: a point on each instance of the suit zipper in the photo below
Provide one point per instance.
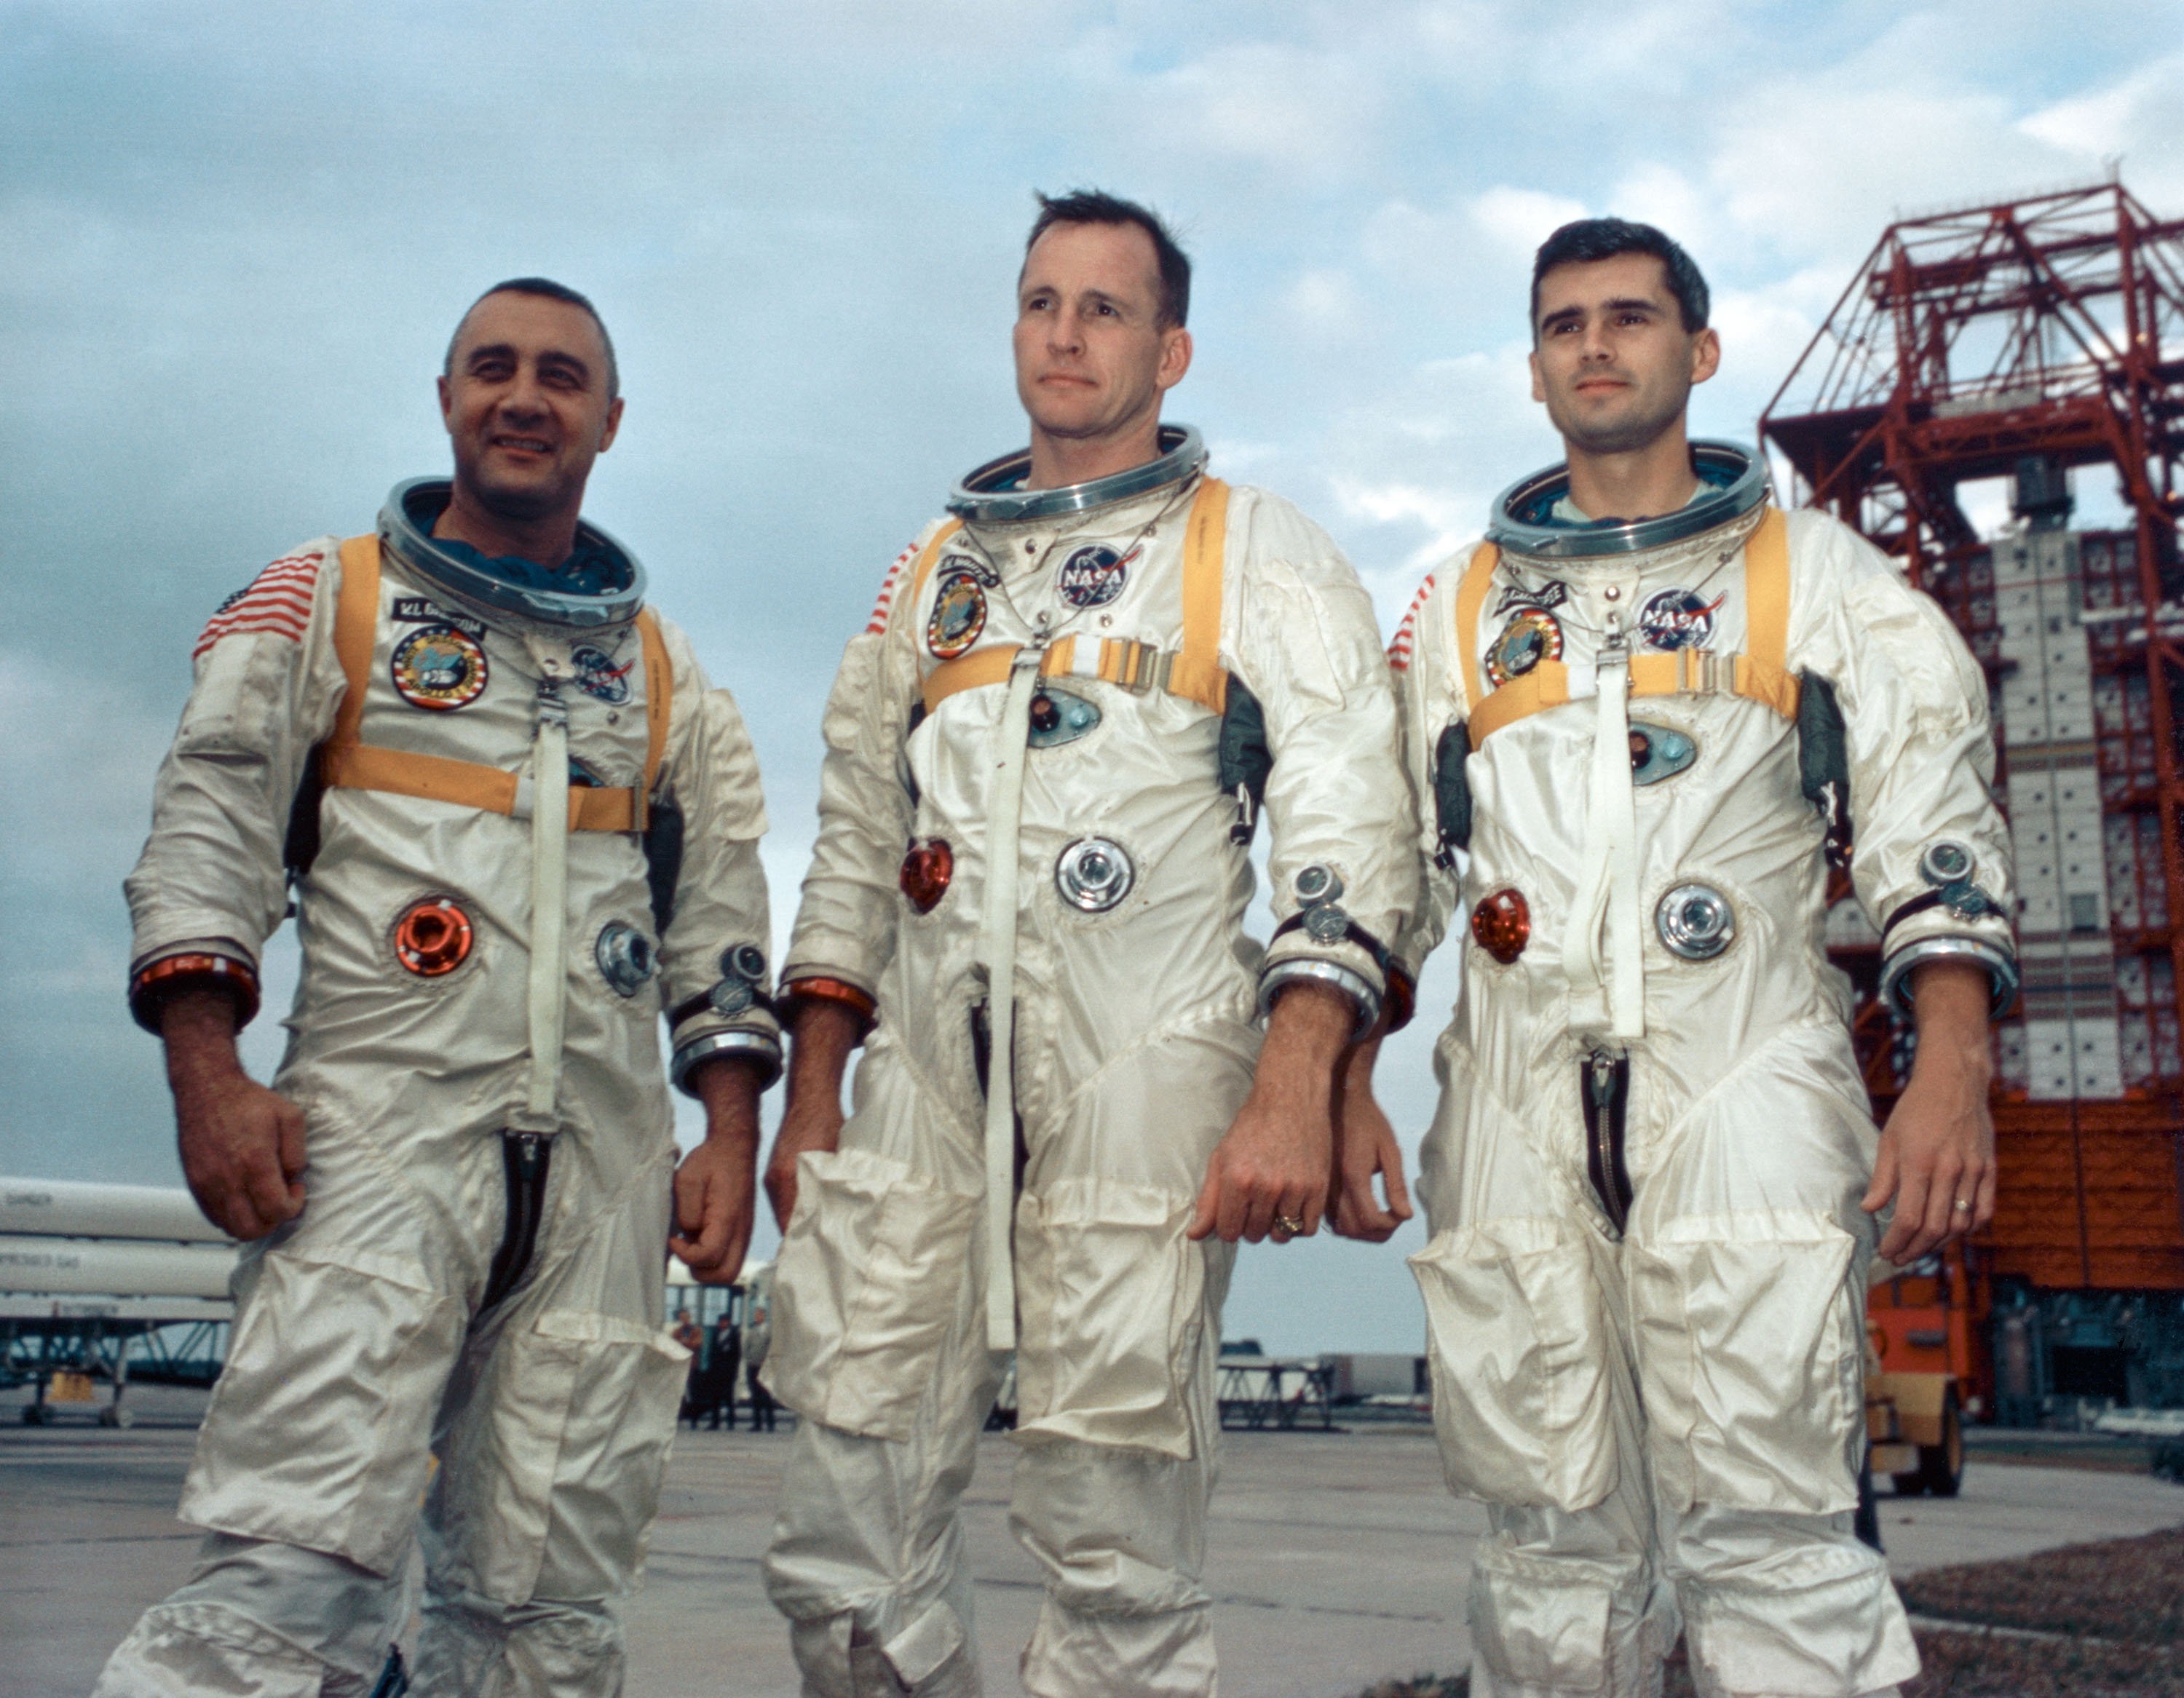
(526, 1156)
(1605, 1087)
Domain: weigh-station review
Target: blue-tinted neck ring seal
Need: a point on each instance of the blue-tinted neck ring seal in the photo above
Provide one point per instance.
(1732, 482)
(405, 529)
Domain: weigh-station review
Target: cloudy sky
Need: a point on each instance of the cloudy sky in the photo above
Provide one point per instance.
(234, 237)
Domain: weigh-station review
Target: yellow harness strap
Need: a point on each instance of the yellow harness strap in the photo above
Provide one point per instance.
(1759, 674)
(1194, 672)
(346, 762)
(1197, 674)
(923, 570)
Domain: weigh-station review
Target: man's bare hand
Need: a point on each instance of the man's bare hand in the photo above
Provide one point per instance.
(242, 1146)
(716, 1189)
(1365, 1147)
(1936, 1156)
(821, 1041)
(1273, 1162)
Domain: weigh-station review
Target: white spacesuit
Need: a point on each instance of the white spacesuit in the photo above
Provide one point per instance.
(523, 825)
(1646, 1282)
(1030, 823)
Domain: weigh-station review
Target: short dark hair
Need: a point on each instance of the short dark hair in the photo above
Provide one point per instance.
(1096, 206)
(1590, 239)
(551, 291)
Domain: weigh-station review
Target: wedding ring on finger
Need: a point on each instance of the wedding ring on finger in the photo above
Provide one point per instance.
(1963, 1204)
(1288, 1226)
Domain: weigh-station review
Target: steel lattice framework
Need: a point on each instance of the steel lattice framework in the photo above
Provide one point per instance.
(2047, 330)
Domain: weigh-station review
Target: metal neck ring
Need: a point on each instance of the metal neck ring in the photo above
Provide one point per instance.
(401, 534)
(992, 495)
(1732, 480)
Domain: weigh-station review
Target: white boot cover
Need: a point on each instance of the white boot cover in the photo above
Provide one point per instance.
(472, 1647)
(273, 1621)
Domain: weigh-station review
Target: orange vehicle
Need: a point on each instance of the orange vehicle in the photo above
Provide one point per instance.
(1928, 1370)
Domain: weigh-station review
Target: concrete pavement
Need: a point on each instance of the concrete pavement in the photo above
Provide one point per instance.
(1336, 1560)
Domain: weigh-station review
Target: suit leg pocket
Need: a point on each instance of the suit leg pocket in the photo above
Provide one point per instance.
(1750, 1354)
(1518, 1344)
(318, 1433)
(1112, 1295)
(553, 1474)
(871, 1271)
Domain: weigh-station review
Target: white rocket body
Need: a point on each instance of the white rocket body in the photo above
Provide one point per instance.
(68, 1239)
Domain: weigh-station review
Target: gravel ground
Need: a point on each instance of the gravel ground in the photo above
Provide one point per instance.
(2130, 1591)
(2088, 1621)
(1958, 1666)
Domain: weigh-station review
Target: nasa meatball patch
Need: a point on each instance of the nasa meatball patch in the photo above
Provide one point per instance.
(1678, 619)
(439, 668)
(1094, 576)
(598, 676)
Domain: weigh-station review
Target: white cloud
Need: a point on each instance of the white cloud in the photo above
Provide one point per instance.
(1275, 105)
(1324, 302)
(1658, 194)
(2138, 120)
(1519, 220)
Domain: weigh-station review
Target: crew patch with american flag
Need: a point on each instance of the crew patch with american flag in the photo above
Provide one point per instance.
(1399, 651)
(888, 588)
(278, 601)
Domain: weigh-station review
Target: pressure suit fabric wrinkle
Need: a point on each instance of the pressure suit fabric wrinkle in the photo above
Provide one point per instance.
(363, 1346)
(1135, 995)
(1645, 1283)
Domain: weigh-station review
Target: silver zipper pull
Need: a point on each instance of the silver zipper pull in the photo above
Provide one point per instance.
(1601, 1078)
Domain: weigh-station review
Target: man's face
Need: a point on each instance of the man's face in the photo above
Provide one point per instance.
(1092, 355)
(1611, 357)
(525, 401)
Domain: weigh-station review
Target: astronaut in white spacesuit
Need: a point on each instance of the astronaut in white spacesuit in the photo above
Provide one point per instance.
(1648, 710)
(1044, 759)
(518, 826)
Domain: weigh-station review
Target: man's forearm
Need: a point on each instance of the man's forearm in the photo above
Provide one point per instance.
(1364, 1057)
(1309, 1029)
(823, 1035)
(728, 1086)
(1951, 1003)
(198, 1027)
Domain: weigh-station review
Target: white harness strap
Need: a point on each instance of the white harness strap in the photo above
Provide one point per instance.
(1606, 897)
(997, 950)
(549, 906)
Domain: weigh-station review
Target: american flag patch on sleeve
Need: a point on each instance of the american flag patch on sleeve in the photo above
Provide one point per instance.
(277, 600)
(888, 586)
(1407, 633)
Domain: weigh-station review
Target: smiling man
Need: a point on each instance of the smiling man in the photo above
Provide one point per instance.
(1045, 757)
(1648, 711)
(517, 826)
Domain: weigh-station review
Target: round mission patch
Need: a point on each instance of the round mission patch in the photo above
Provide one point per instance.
(439, 668)
(1531, 636)
(958, 615)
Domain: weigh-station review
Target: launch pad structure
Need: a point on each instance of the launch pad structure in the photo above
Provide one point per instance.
(2022, 340)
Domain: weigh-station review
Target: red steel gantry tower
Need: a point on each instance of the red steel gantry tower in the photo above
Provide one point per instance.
(2018, 342)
